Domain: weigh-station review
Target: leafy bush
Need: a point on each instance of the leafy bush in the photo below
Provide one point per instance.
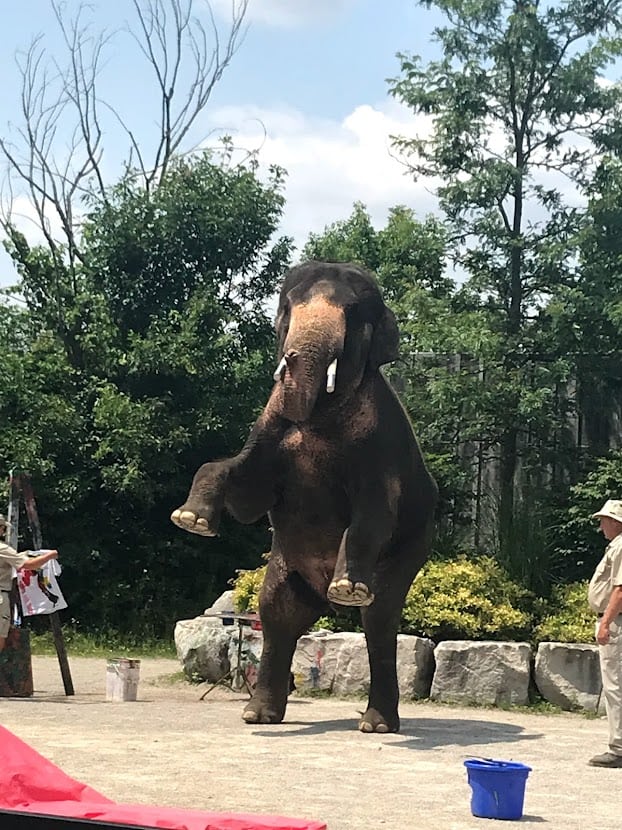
(457, 599)
(467, 599)
(570, 619)
(246, 588)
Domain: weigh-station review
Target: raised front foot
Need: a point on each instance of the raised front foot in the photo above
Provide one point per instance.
(344, 592)
(202, 509)
(373, 721)
(258, 711)
(192, 522)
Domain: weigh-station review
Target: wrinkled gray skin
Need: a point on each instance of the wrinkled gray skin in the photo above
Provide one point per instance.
(334, 462)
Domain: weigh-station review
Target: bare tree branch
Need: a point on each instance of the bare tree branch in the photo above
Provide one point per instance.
(55, 152)
(164, 43)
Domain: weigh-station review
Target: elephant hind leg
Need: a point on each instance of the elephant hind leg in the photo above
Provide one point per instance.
(373, 721)
(260, 711)
(288, 608)
(381, 620)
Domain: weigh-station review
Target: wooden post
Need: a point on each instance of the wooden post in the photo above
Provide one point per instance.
(12, 533)
(37, 541)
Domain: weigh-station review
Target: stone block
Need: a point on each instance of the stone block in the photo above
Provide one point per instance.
(568, 675)
(222, 604)
(415, 666)
(315, 661)
(338, 663)
(481, 673)
(247, 653)
(202, 646)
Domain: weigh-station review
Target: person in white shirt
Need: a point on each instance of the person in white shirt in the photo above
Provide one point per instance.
(605, 598)
(10, 559)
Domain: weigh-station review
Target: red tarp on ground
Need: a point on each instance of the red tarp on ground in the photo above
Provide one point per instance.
(31, 783)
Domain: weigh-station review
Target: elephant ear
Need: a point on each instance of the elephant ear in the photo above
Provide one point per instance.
(384, 347)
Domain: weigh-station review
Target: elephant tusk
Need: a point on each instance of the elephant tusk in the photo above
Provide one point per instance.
(280, 369)
(331, 374)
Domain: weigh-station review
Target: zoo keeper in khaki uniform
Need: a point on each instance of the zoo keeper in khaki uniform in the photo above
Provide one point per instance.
(605, 597)
(9, 559)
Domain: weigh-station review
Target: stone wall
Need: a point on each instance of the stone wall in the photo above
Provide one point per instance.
(455, 671)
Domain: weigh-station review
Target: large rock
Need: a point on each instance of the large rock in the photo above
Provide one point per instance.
(338, 663)
(222, 604)
(568, 675)
(482, 673)
(245, 647)
(202, 646)
(315, 661)
(415, 666)
(202, 643)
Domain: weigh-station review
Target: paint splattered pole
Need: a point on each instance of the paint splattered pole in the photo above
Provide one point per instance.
(22, 482)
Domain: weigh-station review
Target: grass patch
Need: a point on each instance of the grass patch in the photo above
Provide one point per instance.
(101, 644)
(173, 679)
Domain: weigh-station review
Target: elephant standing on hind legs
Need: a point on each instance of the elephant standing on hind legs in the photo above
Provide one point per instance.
(334, 461)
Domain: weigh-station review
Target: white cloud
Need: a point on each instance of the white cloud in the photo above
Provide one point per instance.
(332, 164)
(286, 13)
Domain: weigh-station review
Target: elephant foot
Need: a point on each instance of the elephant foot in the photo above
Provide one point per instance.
(192, 522)
(344, 592)
(258, 712)
(373, 721)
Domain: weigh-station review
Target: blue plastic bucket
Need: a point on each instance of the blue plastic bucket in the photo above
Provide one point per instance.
(497, 788)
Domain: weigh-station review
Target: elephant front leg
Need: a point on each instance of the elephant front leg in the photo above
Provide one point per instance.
(202, 509)
(358, 553)
(244, 485)
(372, 521)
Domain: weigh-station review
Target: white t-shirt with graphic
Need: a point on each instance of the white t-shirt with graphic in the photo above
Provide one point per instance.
(39, 591)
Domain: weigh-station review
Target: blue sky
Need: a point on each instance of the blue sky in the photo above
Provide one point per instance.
(308, 86)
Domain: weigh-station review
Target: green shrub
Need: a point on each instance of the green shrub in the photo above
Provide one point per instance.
(470, 599)
(569, 618)
(246, 588)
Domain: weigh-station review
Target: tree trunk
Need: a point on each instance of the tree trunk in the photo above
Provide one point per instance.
(509, 451)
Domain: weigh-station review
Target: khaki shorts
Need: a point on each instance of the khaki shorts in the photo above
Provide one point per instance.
(5, 614)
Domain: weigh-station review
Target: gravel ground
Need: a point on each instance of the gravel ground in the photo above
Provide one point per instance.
(169, 748)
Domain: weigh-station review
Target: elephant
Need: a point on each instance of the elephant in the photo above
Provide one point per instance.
(334, 462)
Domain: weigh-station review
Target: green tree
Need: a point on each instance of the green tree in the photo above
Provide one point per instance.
(158, 359)
(145, 347)
(516, 95)
(586, 314)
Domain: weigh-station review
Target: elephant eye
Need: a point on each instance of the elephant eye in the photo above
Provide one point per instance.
(282, 320)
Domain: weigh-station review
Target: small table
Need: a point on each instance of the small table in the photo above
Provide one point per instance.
(234, 679)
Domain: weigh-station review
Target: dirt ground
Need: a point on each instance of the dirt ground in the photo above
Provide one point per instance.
(169, 748)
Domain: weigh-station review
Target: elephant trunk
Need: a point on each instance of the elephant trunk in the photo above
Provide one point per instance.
(309, 365)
